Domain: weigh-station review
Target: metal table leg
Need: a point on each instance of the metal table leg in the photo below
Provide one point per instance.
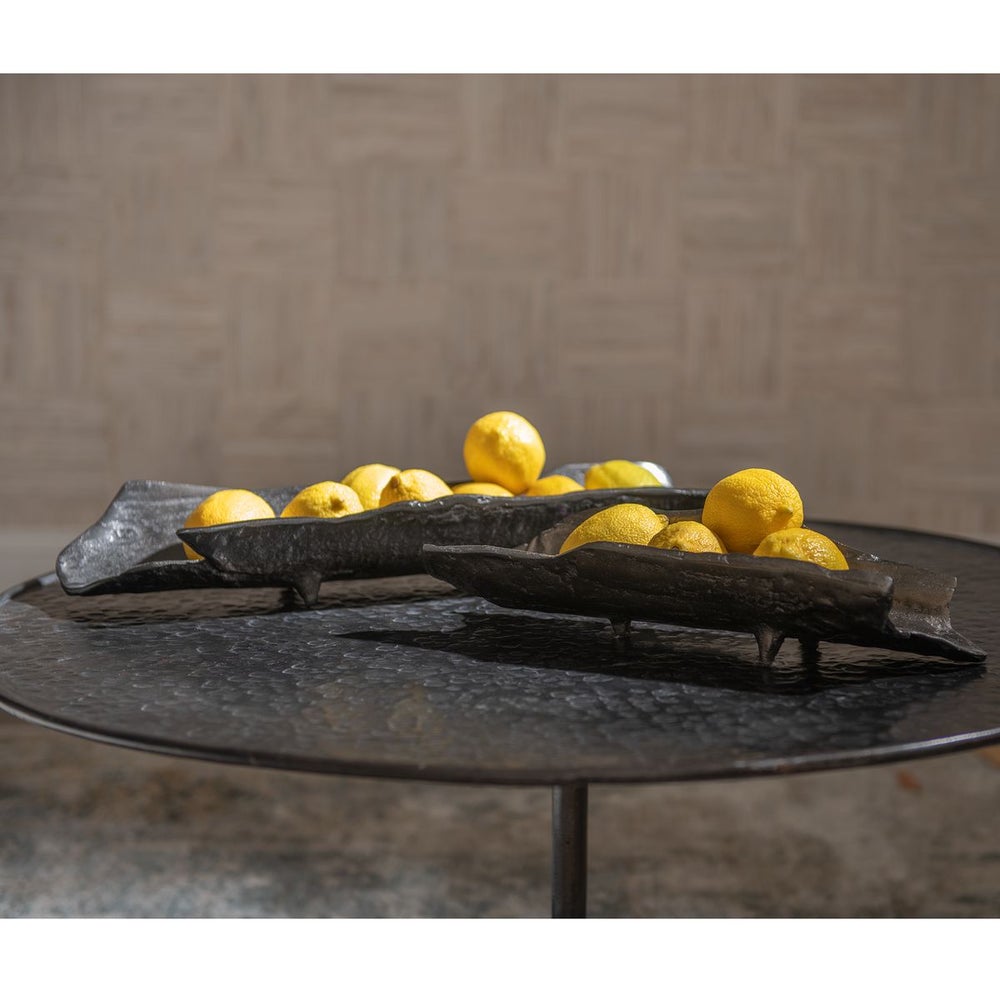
(569, 850)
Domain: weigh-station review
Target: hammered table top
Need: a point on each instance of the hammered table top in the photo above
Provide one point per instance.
(405, 678)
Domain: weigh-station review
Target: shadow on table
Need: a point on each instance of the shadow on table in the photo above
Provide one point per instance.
(664, 653)
(128, 610)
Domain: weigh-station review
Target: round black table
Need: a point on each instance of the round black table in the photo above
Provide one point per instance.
(404, 678)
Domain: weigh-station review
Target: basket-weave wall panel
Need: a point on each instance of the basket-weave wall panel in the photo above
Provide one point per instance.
(263, 280)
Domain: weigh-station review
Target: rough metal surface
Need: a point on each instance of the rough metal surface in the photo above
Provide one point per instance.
(873, 603)
(578, 471)
(377, 681)
(133, 547)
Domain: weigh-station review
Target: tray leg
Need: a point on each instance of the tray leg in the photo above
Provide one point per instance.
(569, 850)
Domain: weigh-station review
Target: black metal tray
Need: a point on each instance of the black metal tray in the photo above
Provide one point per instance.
(872, 603)
(134, 546)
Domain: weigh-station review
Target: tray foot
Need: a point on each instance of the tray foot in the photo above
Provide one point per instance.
(621, 627)
(769, 642)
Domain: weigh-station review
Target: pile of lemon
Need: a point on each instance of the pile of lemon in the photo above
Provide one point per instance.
(756, 512)
(504, 456)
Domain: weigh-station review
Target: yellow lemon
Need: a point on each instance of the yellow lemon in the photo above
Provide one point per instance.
(687, 536)
(504, 448)
(617, 474)
(804, 545)
(549, 486)
(326, 499)
(368, 481)
(744, 508)
(413, 484)
(225, 507)
(633, 523)
(482, 489)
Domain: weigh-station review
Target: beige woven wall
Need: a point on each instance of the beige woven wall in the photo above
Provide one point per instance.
(266, 280)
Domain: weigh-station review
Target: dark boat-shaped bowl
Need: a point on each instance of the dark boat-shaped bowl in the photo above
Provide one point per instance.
(134, 546)
(872, 603)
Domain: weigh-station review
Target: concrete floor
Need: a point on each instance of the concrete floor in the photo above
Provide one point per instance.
(89, 830)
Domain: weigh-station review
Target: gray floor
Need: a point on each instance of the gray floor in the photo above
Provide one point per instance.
(89, 830)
